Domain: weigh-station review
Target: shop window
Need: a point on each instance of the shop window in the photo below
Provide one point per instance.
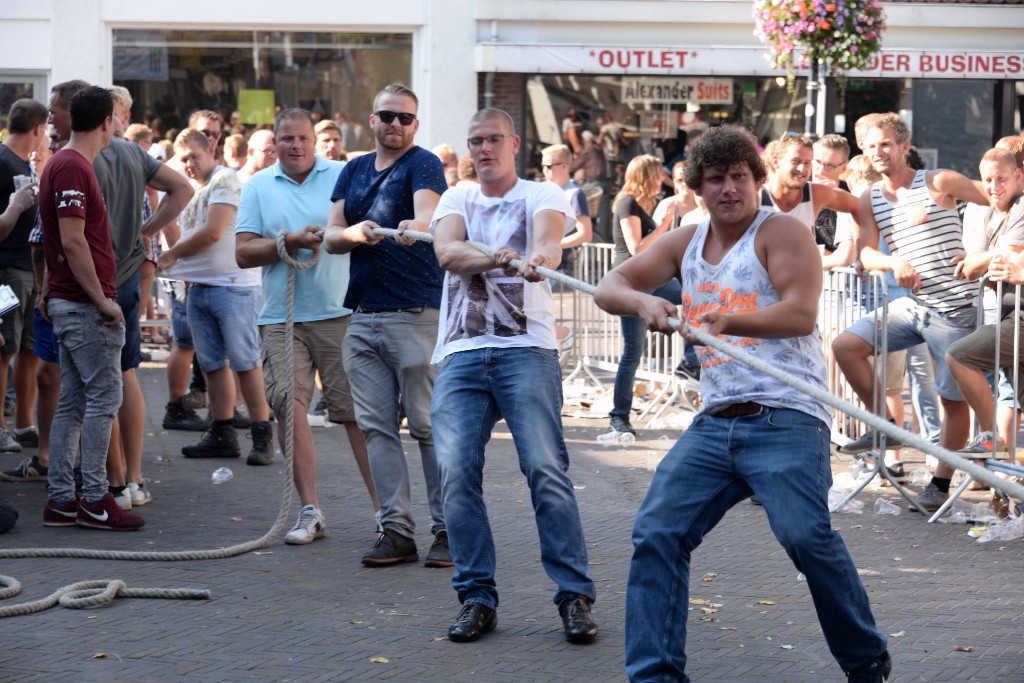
(248, 75)
(658, 115)
(954, 118)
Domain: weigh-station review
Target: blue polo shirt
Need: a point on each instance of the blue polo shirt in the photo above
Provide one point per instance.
(388, 275)
(273, 203)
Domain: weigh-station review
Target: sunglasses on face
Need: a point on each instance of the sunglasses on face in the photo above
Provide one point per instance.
(386, 116)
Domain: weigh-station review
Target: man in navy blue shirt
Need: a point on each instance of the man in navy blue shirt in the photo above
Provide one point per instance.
(395, 291)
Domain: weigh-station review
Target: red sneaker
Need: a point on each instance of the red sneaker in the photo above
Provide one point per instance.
(106, 514)
(60, 514)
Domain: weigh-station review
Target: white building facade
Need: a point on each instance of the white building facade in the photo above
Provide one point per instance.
(658, 66)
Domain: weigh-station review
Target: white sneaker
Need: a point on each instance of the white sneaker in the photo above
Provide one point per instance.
(8, 443)
(123, 499)
(311, 526)
(139, 493)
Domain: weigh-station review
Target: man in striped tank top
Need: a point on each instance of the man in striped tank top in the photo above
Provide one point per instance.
(752, 277)
(915, 213)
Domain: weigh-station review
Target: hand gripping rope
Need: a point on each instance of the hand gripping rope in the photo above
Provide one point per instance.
(92, 593)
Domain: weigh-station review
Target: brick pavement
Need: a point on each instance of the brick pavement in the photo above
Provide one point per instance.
(313, 613)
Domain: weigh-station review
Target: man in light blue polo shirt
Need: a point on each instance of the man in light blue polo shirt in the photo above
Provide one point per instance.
(293, 196)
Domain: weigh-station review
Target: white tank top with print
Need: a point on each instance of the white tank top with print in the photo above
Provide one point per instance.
(739, 284)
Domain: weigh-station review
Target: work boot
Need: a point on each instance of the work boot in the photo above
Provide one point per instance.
(220, 441)
(177, 416)
(262, 451)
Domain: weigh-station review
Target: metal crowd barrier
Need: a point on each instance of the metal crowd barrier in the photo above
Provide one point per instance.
(1008, 466)
(596, 340)
(846, 297)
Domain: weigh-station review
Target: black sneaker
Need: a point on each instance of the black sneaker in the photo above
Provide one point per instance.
(391, 548)
(29, 470)
(896, 471)
(219, 442)
(262, 451)
(875, 672)
(439, 555)
(29, 438)
(577, 620)
(321, 407)
(8, 516)
(621, 424)
(176, 416)
(473, 621)
(687, 372)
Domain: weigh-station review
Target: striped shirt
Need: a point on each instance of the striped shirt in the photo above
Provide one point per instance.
(927, 236)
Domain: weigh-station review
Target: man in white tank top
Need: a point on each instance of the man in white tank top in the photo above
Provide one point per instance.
(915, 213)
(789, 191)
(752, 277)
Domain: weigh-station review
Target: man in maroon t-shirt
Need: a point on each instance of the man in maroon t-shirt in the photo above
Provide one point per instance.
(87, 322)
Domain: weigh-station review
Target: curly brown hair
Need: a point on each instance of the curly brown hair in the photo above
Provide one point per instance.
(722, 148)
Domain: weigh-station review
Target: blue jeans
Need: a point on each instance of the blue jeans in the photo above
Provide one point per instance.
(633, 337)
(222, 321)
(780, 455)
(473, 391)
(90, 394)
(922, 391)
(387, 360)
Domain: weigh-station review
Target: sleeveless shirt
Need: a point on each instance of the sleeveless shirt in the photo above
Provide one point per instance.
(740, 284)
(803, 212)
(927, 236)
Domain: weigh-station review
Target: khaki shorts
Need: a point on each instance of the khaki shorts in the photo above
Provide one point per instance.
(18, 326)
(316, 347)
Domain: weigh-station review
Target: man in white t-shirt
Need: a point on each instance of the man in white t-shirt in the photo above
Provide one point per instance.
(496, 343)
(223, 302)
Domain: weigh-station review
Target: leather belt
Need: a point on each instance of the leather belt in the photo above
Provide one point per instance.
(739, 410)
(415, 309)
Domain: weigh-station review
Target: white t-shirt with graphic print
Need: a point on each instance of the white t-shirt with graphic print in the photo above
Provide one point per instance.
(217, 265)
(490, 308)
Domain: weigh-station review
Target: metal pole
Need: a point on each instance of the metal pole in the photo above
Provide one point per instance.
(812, 98)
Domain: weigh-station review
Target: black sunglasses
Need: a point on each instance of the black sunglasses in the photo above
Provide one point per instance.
(386, 116)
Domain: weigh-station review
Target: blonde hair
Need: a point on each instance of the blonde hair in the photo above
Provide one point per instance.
(189, 137)
(138, 132)
(894, 123)
(560, 153)
(1014, 144)
(860, 170)
(640, 174)
(121, 96)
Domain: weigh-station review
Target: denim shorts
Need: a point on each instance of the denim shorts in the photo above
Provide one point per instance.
(45, 343)
(129, 297)
(224, 330)
(180, 330)
(911, 323)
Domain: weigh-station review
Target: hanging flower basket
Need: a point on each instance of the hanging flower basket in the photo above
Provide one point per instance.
(842, 34)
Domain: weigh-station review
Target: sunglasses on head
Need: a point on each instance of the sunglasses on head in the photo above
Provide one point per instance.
(386, 116)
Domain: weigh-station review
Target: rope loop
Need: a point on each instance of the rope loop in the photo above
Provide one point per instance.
(287, 258)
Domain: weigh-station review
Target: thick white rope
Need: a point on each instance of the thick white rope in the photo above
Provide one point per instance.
(92, 593)
(952, 459)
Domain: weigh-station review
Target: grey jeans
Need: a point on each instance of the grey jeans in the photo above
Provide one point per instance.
(387, 360)
(90, 395)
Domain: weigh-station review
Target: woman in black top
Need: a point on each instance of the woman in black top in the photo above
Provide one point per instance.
(633, 230)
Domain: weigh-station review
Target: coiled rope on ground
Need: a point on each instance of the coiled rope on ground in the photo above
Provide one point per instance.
(93, 593)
